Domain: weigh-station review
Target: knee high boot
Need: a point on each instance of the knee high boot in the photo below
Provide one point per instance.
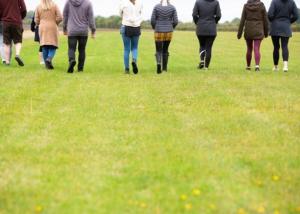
(165, 61)
(158, 61)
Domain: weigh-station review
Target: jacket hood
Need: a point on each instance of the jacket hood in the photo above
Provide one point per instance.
(210, 0)
(253, 4)
(76, 3)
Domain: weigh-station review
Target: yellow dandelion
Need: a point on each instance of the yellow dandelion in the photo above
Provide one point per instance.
(241, 211)
(276, 212)
(183, 197)
(275, 178)
(261, 209)
(196, 192)
(38, 209)
(212, 207)
(298, 209)
(259, 183)
(188, 206)
(143, 205)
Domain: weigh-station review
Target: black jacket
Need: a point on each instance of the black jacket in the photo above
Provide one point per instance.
(282, 14)
(206, 15)
(35, 29)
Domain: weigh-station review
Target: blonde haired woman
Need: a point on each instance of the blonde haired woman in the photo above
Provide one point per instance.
(47, 17)
(163, 20)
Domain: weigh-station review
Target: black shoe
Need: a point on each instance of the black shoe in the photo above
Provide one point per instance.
(158, 69)
(48, 64)
(19, 61)
(134, 68)
(201, 65)
(248, 69)
(165, 62)
(71, 66)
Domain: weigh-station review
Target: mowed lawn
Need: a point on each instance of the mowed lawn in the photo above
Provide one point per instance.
(188, 141)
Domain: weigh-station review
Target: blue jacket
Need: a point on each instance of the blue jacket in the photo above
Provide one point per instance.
(206, 15)
(282, 14)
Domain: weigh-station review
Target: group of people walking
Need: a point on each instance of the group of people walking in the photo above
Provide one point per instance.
(78, 17)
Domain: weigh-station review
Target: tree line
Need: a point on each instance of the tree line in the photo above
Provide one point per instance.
(114, 22)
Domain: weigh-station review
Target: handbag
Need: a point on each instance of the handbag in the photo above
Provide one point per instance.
(132, 31)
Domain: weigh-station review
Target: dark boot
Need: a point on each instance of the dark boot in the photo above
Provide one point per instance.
(165, 61)
(158, 61)
(72, 63)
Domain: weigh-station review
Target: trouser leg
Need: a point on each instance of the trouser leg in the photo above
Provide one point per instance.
(209, 45)
(276, 45)
(257, 54)
(82, 41)
(166, 45)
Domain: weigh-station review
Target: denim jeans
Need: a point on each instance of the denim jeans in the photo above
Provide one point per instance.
(130, 45)
(48, 52)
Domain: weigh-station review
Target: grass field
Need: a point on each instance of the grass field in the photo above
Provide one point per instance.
(221, 141)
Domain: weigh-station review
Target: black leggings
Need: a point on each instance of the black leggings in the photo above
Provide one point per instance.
(206, 43)
(72, 42)
(162, 47)
(285, 49)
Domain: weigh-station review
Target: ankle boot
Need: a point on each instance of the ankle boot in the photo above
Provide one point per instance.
(158, 56)
(165, 62)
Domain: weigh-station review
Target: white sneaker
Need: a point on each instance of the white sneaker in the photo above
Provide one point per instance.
(285, 66)
(42, 63)
(275, 69)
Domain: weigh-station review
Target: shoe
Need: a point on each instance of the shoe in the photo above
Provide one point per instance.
(42, 63)
(257, 69)
(285, 66)
(165, 60)
(48, 64)
(248, 69)
(71, 66)
(205, 68)
(158, 70)
(19, 61)
(80, 70)
(135, 68)
(201, 65)
(275, 68)
(126, 71)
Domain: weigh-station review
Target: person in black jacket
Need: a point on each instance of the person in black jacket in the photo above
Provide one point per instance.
(206, 15)
(282, 14)
(35, 29)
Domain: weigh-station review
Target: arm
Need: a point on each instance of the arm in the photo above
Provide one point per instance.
(153, 18)
(91, 19)
(295, 14)
(59, 17)
(271, 12)
(37, 17)
(175, 18)
(32, 26)
(266, 22)
(218, 13)
(196, 13)
(242, 24)
(66, 17)
(23, 9)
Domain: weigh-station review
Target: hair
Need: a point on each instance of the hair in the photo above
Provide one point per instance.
(46, 4)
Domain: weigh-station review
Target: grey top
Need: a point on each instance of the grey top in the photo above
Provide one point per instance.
(282, 14)
(164, 18)
(206, 15)
(78, 18)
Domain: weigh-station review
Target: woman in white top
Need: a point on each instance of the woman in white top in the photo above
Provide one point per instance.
(131, 13)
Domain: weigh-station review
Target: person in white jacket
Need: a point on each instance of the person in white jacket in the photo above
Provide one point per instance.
(131, 14)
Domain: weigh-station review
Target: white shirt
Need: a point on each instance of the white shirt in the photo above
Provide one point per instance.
(131, 13)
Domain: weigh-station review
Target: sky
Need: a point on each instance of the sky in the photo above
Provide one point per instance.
(230, 8)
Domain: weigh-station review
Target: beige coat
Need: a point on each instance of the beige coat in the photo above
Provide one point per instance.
(48, 21)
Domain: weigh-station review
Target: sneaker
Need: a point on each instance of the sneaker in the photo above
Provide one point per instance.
(158, 69)
(42, 63)
(127, 71)
(48, 64)
(201, 65)
(257, 69)
(135, 68)
(285, 66)
(71, 66)
(19, 61)
(275, 69)
(248, 68)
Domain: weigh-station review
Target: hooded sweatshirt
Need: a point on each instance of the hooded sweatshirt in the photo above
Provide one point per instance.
(206, 15)
(282, 14)
(78, 18)
(254, 20)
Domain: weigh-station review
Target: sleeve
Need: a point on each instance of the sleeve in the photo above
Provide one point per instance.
(242, 24)
(66, 17)
(295, 13)
(196, 13)
(266, 22)
(121, 7)
(218, 13)
(175, 18)
(153, 18)
(32, 25)
(23, 9)
(59, 16)
(91, 18)
(271, 12)
(37, 17)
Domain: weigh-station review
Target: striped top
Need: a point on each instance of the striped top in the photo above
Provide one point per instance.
(164, 18)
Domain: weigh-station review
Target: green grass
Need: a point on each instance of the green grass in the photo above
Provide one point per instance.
(104, 142)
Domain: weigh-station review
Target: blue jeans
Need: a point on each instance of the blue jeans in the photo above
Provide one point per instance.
(130, 44)
(48, 52)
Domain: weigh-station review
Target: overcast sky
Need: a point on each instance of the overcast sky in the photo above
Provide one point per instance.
(230, 8)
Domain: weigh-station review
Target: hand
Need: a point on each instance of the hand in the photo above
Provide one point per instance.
(65, 33)
(239, 37)
(93, 35)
